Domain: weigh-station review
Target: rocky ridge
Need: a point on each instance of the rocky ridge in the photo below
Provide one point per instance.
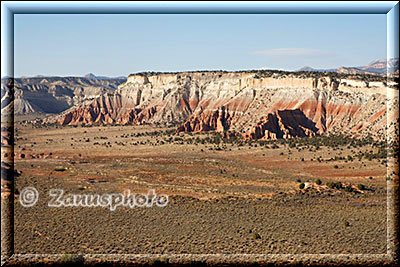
(55, 94)
(256, 105)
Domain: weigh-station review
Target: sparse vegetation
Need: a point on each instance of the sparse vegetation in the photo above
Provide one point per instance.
(348, 188)
(221, 169)
(361, 187)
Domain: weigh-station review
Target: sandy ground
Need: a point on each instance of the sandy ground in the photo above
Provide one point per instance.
(238, 200)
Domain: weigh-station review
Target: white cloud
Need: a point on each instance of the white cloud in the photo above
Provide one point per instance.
(292, 52)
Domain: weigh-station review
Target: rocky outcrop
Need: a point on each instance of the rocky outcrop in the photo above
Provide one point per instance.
(218, 120)
(283, 124)
(106, 109)
(256, 104)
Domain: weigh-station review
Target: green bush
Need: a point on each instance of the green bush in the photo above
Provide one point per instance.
(318, 182)
(338, 185)
(302, 185)
(330, 185)
(361, 187)
(348, 188)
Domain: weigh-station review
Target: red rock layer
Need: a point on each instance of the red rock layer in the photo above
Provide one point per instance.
(106, 110)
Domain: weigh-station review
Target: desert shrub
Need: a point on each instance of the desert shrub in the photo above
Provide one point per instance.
(330, 185)
(318, 182)
(302, 185)
(348, 188)
(361, 187)
(298, 180)
(338, 185)
(336, 167)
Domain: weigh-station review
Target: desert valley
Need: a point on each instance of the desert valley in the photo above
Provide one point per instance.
(254, 162)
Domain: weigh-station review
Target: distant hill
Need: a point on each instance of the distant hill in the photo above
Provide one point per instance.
(92, 76)
(380, 65)
(376, 67)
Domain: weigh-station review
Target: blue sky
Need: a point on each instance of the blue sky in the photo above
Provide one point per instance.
(115, 45)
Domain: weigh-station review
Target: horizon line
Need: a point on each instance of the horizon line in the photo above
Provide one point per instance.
(316, 69)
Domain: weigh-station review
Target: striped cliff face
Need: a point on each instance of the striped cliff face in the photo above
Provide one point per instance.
(258, 107)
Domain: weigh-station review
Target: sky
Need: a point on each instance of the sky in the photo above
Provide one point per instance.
(117, 45)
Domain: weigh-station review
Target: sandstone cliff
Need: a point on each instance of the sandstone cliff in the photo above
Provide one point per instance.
(256, 104)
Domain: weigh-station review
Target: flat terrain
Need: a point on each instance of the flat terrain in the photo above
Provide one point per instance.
(223, 197)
